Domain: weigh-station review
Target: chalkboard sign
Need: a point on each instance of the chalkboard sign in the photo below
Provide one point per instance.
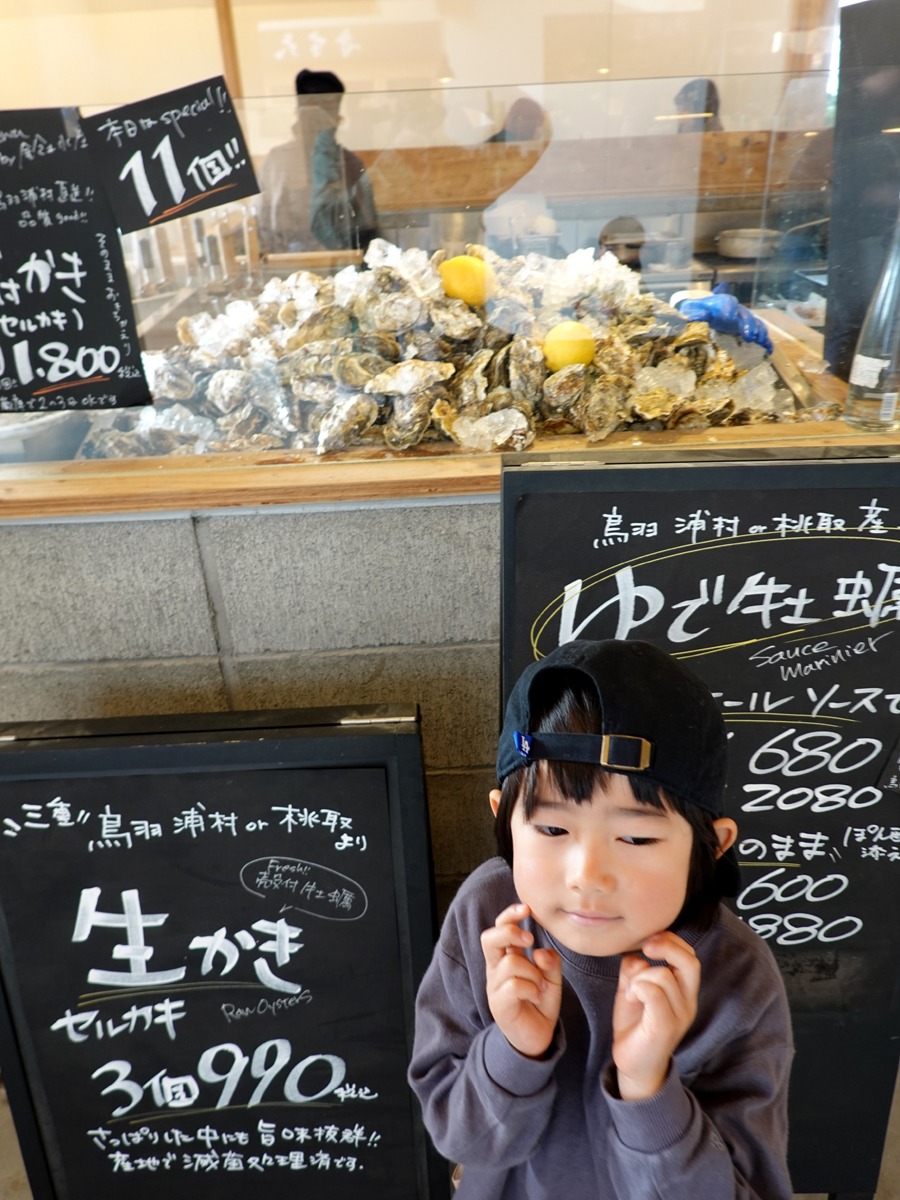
(171, 155)
(67, 334)
(779, 584)
(210, 940)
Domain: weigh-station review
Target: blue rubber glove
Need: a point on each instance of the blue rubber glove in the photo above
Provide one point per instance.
(724, 314)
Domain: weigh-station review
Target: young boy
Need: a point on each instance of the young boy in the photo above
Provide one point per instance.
(595, 1025)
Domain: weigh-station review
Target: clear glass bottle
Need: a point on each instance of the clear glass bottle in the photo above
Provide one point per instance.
(875, 374)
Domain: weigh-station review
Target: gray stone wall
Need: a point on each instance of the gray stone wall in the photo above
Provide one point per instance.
(312, 605)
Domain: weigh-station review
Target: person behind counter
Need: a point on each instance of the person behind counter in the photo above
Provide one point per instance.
(697, 104)
(594, 1022)
(524, 123)
(624, 236)
(315, 194)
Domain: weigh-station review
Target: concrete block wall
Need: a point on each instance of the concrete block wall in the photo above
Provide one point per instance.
(313, 605)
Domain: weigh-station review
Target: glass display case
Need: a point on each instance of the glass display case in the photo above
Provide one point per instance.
(473, 270)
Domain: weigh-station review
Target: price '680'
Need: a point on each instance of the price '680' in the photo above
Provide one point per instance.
(815, 751)
(85, 362)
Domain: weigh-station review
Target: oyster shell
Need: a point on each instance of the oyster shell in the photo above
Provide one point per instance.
(722, 367)
(656, 405)
(563, 388)
(559, 426)
(393, 312)
(698, 357)
(602, 406)
(454, 319)
(502, 397)
(346, 422)
(825, 410)
(111, 443)
(227, 390)
(243, 422)
(355, 370)
(527, 370)
(166, 441)
(172, 381)
(188, 328)
(268, 312)
(289, 314)
(492, 338)
(315, 358)
(405, 378)
(443, 416)
(614, 356)
(282, 407)
(383, 344)
(324, 324)
(498, 368)
(693, 334)
(470, 385)
(687, 417)
(420, 344)
(753, 416)
(386, 280)
(409, 419)
(315, 390)
(698, 413)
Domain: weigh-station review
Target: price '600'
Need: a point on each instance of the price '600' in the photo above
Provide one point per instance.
(797, 928)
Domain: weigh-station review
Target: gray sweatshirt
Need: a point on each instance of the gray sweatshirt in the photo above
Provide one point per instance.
(556, 1127)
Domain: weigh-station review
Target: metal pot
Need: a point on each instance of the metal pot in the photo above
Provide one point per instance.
(748, 243)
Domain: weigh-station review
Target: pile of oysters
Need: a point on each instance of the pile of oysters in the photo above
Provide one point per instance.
(383, 357)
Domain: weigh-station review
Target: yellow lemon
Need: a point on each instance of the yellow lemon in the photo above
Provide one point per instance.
(468, 278)
(570, 342)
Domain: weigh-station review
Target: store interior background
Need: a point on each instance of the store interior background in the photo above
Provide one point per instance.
(337, 603)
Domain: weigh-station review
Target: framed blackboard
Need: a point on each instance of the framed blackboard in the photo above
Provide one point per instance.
(779, 584)
(67, 333)
(171, 155)
(211, 932)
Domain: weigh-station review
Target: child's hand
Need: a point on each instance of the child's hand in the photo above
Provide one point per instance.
(654, 1008)
(523, 996)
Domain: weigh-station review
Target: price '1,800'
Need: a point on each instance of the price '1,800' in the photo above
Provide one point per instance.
(86, 362)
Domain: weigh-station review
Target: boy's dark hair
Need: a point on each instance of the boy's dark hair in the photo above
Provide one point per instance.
(564, 702)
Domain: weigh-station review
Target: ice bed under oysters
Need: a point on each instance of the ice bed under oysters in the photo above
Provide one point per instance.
(384, 356)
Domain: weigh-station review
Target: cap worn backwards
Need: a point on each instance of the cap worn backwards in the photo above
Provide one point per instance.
(659, 720)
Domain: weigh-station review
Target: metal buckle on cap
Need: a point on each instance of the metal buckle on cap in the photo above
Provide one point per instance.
(619, 751)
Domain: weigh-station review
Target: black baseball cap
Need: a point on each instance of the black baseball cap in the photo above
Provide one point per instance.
(659, 720)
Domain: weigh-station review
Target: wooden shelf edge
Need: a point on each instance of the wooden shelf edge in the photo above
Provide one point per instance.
(231, 481)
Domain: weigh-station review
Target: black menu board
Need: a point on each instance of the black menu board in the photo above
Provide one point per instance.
(779, 584)
(171, 155)
(67, 335)
(210, 947)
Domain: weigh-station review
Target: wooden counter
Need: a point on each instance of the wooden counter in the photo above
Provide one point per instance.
(288, 477)
(704, 165)
(198, 482)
